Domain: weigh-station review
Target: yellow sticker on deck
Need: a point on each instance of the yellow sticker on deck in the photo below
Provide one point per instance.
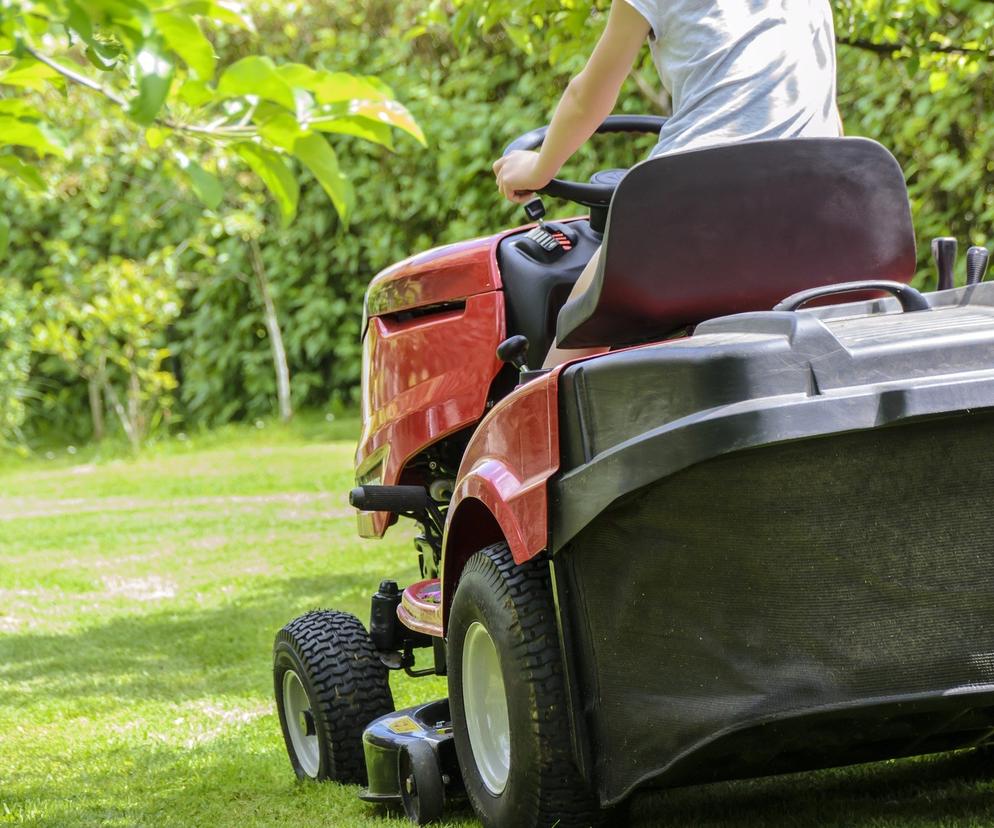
(405, 724)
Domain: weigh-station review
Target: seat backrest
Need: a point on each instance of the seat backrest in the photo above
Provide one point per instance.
(705, 233)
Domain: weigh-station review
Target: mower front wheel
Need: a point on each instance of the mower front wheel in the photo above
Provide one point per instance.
(508, 698)
(329, 685)
(422, 790)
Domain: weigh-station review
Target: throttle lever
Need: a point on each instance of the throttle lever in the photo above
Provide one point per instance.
(977, 259)
(944, 251)
(514, 350)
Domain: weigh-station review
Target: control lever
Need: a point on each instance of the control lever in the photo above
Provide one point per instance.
(944, 253)
(535, 210)
(514, 349)
(977, 259)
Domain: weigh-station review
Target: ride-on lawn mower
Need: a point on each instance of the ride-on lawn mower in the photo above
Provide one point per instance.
(742, 540)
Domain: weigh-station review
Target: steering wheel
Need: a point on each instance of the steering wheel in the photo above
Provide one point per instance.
(602, 184)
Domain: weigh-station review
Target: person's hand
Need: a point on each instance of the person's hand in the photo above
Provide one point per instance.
(519, 176)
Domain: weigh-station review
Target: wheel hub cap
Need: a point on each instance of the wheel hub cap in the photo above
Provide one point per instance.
(307, 723)
(485, 702)
(300, 722)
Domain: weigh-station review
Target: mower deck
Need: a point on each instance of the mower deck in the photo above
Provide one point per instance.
(386, 738)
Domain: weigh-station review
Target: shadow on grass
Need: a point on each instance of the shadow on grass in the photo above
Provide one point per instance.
(946, 789)
(182, 653)
(176, 653)
(221, 784)
(237, 775)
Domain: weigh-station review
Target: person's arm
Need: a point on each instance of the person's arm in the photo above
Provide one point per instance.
(589, 98)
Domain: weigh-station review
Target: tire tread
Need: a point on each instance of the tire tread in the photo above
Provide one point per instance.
(559, 796)
(350, 683)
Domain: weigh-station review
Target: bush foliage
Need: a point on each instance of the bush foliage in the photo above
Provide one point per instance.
(14, 361)
(915, 76)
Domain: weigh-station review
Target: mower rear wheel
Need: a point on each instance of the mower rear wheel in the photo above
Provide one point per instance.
(508, 698)
(329, 685)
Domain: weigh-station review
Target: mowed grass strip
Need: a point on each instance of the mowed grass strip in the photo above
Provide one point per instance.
(138, 603)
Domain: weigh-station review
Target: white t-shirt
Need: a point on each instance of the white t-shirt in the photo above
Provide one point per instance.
(743, 70)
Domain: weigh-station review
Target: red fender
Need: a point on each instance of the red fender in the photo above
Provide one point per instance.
(501, 491)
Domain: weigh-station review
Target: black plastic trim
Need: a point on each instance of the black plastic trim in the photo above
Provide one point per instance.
(875, 708)
(633, 417)
(585, 492)
(400, 317)
(579, 730)
(910, 299)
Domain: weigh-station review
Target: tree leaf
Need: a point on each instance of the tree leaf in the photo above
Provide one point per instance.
(275, 174)
(937, 81)
(256, 75)
(317, 155)
(96, 59)
(133, 14)
(4, 236)
(28, 134)
(184, 37)
(205, 185)
(281, 130)
(154, 72)
(299, 74)
(195, 92)
(224, 11)
(335, 87)
(31, 74)
(101, 54)
(155, 137)
(374, 131)
(382, 111)
(19, 108)
(24, 172)
(79, 21)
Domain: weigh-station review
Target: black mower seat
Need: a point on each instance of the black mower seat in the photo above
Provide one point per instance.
(710, 232)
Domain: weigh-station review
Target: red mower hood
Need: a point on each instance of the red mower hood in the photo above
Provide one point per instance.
(444, 274)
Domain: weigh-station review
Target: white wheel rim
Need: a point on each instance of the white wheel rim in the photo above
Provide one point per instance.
(300, 724)
(485, 703)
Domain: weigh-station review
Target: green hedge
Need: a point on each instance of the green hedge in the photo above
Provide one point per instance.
(113, 199)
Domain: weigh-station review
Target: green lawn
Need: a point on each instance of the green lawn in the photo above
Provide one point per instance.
(138, 602)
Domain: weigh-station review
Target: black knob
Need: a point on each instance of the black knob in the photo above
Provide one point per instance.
(535, 209)
(514, 349)
(944, 254)
(356, 497)
(976, 264)
(389, 588)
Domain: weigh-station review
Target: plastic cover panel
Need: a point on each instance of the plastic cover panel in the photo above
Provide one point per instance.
(788, 580)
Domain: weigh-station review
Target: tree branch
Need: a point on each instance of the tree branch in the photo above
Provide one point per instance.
(75, 77)
(657, 98)
(890, 48)
(235, 131)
